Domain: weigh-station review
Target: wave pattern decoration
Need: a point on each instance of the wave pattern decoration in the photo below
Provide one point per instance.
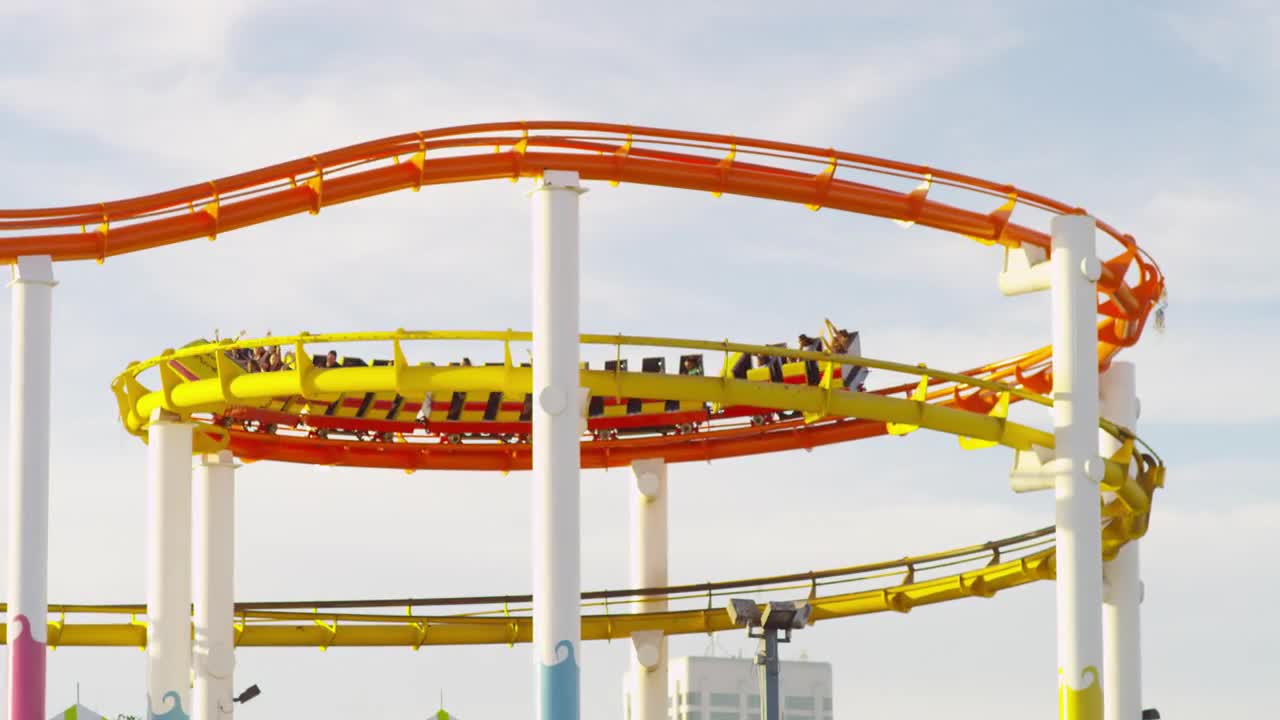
(174, 711)
(560, 685)
(1084, 703)
(26, 675)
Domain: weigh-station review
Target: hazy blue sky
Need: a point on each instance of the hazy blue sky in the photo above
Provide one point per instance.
(1160, 118)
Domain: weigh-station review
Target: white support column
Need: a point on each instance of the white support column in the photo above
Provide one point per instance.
(649, 569)
(169, 568)
(557, 628)
(214, 582)
(29, 422)
(1078, 469)
(1122, 591)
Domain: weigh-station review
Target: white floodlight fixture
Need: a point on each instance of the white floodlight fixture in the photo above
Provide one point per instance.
(744, 613)
(786, 615)
(771, 626)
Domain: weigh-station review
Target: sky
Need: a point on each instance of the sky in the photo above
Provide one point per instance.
(1159, 118)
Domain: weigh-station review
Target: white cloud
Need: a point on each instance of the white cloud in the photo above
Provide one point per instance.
(1213, 242)
(137, 33)
(1238, 36)
(1201, 374)
(161, 95)
(182, 98)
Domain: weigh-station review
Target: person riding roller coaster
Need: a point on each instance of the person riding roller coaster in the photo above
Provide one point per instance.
(845, 342)
(691, 365)
(813, 374)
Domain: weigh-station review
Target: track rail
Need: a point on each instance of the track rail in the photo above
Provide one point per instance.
(1130, 287)
(957, 403)
(900, 585)
(811, 176)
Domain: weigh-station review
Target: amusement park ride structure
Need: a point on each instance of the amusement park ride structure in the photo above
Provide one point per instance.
(557, 415)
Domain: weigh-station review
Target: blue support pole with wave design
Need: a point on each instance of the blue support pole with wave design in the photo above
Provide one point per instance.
(171, 705)
(169, 568)
(557, 430)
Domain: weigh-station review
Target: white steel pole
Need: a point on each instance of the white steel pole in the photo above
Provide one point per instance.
(29, 421)
(213, 581)
(169, 568)
(649, 569)
(557, 432)
(1078, 468)
(1122, 593)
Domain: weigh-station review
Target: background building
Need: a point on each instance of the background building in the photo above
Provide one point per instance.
(715, 688)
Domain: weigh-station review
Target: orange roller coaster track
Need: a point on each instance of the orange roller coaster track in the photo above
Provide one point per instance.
(597, 151)
(1130, 287)
(968, 404)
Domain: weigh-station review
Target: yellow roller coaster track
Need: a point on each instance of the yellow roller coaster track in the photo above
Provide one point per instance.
(1130, 475)
(994, 566)
(233, 387)
(1130, 287)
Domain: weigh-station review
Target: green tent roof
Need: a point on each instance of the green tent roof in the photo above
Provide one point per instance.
(78, 712)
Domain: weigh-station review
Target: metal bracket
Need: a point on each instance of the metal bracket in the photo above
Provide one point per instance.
(647, 645)
(1026, 270)
(1031, 470)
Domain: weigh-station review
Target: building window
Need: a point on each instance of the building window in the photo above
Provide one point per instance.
(692, 697)
(723, 715)
(826, 704)
(724, 699)
(692, 715)
(793, 702)
(753, 701)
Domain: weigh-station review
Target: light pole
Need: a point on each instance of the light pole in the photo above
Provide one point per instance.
(784, 616)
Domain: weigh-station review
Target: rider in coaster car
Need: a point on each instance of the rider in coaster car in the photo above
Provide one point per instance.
(811, 370)
(691, 366)
(809, 344)
(773, 362)
(844, 342)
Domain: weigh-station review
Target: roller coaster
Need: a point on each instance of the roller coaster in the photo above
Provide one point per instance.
(261, 416)
(403, 412)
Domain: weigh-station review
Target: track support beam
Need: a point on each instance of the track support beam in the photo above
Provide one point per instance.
(1122, 592)
(556, 434)
(29, 423)
(214, 582)
(1078, 467)
(169, 568)
(648, 691)
(1025, 271)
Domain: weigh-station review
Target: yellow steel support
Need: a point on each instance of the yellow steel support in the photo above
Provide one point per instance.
(262, 629)
(1126, 516)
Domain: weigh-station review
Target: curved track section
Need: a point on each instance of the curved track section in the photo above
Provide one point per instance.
(818, 178)
(972, 405)
(200, 379)
(822, 413)
(896, 586)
